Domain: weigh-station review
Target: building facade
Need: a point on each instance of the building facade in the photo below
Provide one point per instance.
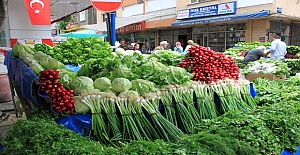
(218, 24)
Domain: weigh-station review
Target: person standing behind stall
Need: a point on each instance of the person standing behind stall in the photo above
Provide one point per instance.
(136, 48)
(254, 54)
(178, 48)
(277, 50)
(162, 46)
(123, 45)
(190, 44)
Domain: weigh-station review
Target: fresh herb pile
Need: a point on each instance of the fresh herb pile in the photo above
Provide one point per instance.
(274, 67)
(294, 65)
(41, 135)
(267, 129)
(77, 51)
(272, 92)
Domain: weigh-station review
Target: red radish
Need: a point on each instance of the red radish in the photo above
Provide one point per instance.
(62, 101)
(208, 65)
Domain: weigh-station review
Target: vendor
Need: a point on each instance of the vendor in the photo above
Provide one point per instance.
(278, 49)
(254, 54)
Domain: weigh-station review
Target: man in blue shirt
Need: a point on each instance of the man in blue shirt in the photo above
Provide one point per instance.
(278, 49)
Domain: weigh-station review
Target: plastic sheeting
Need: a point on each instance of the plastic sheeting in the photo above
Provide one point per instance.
(80, 123)
(72, 68)
(20, 72)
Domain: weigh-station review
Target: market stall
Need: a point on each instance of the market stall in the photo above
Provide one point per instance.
(118, 97)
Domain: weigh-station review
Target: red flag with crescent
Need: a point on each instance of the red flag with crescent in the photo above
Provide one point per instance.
(39, 11)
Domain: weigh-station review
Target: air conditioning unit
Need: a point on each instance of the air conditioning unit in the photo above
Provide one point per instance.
(140, 1)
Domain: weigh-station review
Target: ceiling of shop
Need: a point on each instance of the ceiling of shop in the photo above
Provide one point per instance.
(61, 8)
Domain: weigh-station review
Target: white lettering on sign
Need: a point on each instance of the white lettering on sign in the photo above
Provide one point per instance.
(131, 28)
(183, 14)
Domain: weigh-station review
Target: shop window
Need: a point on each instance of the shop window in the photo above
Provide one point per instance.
(275, 26)
(220, 37)
(296, 40)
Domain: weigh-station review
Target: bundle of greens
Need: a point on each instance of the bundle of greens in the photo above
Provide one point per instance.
(169, 108)
(185, 118)
(165, 129)
(99, 127)
(205, 101)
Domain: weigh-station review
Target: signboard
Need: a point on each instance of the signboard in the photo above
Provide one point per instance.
(223, 18)
(279, 9)
(132, 28)
(107, 5)
(30, 42)
(262, 39)
(39, 11)
(210, 10)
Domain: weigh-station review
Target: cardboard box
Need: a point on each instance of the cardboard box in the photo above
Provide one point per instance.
(252, 76)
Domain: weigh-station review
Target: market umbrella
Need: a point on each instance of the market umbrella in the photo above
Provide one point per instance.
(82, 34)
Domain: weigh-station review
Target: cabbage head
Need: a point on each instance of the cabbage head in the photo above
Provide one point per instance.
(80, 107)
(143, 86)
(102, 83)
(121, 84)
(82, 84)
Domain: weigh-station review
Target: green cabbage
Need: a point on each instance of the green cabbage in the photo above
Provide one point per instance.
(130, 94)
(143, 86)
(50, 63)
(82, 84)
(36, 68)
(17, 49)
(80, 107)
(121, 84)
(65, 77)
(102, 83)
(39, 55)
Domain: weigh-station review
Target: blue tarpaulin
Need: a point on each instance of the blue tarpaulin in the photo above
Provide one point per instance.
(222, 18)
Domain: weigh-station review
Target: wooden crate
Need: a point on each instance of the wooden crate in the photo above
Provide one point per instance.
(253, 76)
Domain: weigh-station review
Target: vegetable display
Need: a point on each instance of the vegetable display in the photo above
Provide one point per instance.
(167, 57)
(153, 105)
(62, 100)
(77, 51)
(241, 46)
(209, 66)
(274, 67)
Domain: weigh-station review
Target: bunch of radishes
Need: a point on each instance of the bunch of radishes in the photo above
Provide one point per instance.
(62, 100)
(208, 65)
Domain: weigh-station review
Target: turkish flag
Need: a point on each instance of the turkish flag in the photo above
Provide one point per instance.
(39, 11)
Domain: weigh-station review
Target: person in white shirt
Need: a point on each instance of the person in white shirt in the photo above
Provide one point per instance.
(190, 44)
(278, 49)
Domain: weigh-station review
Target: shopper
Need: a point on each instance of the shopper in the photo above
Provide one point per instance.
(254, 54)
(190, 44)
(178, 48)
(123, 45)
(278, 49)
(162, 46)
(136, 48)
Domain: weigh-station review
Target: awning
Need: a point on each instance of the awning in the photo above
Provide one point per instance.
(223, 18)
(122, 21)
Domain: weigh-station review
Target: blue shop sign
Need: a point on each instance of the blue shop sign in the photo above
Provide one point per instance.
(210, 10)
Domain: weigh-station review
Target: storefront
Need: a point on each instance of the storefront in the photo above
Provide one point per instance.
(173, 35)
(219, 37)
(137, 33)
